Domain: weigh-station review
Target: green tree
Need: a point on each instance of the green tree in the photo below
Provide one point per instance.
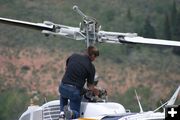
(129, 14)
(173, 16)
(176, 50)
(12, 103)
(167, 29)
(148, 29)
(177, 27)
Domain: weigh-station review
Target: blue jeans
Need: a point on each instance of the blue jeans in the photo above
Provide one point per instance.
(68, 92)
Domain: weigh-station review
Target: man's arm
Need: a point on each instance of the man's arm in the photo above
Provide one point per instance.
(93, 89)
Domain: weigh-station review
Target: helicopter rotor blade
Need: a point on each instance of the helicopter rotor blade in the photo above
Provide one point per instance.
(142, 40)
(31, 25)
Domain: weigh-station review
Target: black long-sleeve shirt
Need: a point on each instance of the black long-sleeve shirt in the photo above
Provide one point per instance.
(78, 69)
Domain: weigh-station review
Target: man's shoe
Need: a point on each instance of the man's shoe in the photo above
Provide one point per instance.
(68, 113)
(61, 116)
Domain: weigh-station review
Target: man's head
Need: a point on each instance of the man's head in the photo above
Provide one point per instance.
(92, 52)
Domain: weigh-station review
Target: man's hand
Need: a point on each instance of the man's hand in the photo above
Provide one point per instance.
(93, 89)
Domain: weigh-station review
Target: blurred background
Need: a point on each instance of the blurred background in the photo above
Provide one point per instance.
(32, 65)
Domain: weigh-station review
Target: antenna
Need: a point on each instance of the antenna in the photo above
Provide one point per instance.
(160, 106)
(31, 102)
(140, 106)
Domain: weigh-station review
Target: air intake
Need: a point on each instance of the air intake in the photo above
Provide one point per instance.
(51, 112)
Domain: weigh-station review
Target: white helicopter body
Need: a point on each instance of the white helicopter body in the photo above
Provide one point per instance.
(95, 111)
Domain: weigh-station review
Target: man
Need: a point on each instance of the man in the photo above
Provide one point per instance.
(79, 70)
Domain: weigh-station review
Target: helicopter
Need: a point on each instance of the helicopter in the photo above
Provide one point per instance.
(90, 32)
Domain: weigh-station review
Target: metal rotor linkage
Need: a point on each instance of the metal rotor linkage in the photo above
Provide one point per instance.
(89, 27)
